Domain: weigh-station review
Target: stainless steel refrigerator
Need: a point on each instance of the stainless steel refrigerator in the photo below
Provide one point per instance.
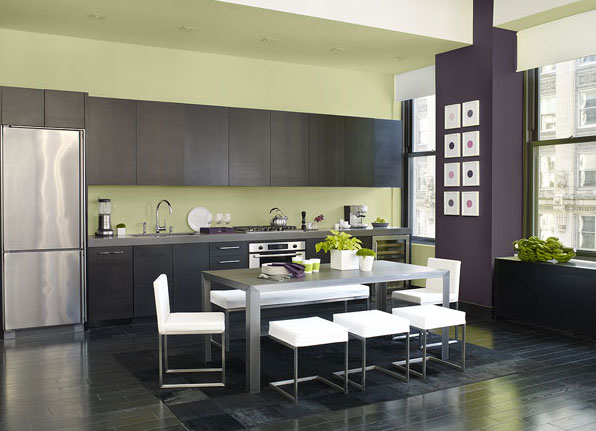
(42, 227)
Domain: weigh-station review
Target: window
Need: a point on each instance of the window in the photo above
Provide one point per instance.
(587, 170)
(547, 171)
(562, 153)
(587, 108)
(587, 232)
(421, 166)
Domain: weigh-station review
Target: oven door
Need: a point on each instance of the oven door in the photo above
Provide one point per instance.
(257, 259)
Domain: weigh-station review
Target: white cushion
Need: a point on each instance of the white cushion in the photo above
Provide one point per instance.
(229, 299)
(194, 323)
(431, 316)
(372, 323)
(422, 296)
(310, 331)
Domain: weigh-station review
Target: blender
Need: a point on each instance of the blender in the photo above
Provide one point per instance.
(105, 218)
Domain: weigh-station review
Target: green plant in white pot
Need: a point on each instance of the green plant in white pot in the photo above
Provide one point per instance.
(343, 248)
(367, 257)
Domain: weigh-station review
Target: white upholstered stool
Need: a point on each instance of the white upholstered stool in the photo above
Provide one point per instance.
(185, 324)
(428, 317)
(369, 324)
(311, 331)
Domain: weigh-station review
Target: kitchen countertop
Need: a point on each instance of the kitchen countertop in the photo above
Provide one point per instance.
(187, 237)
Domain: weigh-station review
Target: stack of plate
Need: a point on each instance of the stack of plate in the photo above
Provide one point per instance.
(268, 269)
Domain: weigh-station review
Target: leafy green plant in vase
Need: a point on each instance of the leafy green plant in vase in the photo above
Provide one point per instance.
(367, 257)
(343, 248)
(121, 229)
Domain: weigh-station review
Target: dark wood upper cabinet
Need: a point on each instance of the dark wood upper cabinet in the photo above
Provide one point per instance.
(326, 150)
(388, 162)
(360, 152)
(373, 152)
(23, 106)
(150, 261)
(65, 109)
(289, 149)
(205, 145)
(249, 147)
(111, 141)
(160, 143)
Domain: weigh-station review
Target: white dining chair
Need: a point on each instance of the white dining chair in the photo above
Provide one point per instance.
(201, 323)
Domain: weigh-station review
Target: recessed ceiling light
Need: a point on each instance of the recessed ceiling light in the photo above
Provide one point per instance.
(338, 49)
(97, 16)
(186, 29)
(268, 40)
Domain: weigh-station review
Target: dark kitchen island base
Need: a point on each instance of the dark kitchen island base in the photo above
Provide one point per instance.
(561, 297)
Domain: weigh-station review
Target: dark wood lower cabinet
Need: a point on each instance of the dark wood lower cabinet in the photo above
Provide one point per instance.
(149, 262)
(189, 260)
(109, 284)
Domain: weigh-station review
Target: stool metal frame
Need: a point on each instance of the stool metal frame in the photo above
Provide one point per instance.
(362, 385)
(163, 358)
(426, 357)
(276, 385)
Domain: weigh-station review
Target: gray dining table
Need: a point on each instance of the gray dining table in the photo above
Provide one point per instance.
(247, 280)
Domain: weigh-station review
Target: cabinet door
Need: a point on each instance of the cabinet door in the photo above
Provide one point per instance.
(228, 262)
(189, 260)
(205, 145)
(111, 141)
(250, 147)
(326, 150)
(311, 251)
(160, 143)
(388, 153)
(360, 152)
(289, 149)
(149, 262)
(65, 109)
(110, 283)
(23, 106)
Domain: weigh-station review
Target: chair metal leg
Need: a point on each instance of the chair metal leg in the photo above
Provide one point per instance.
(227, 333)
(160, 362)
(223, 359)
(295, 375)
(463, 347)
(363, 364)
(345, 306)
(424, 355)
(165, 345)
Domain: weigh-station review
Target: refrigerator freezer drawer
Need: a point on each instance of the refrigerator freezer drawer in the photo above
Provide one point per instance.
(42, 288)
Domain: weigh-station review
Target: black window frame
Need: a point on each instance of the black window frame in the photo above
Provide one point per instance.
(531, 143)
(407, 204)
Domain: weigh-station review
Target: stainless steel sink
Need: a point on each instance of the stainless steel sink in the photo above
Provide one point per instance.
(157, 235)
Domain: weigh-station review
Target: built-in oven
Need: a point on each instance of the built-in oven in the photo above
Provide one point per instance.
(269, 252)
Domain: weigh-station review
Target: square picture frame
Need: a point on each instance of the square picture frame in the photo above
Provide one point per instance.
(452, 145)
(470, 144)
(452, 175)
(470, 204)
(453, 116)
(451, 203)
(471, 113)
(470, 174)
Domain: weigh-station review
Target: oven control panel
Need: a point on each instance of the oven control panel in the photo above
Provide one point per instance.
(276, 246)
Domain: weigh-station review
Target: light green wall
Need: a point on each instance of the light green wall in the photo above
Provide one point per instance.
(248, 205)
(140, 72)
(420, 254)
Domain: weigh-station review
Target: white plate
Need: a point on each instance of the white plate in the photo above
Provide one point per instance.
(199, 217)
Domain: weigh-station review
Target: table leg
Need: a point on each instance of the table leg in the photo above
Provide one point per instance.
(206, 286)
(381, 296)
(445, 332)
(253, 341)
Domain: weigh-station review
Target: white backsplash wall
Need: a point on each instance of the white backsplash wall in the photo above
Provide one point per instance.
(248, 205)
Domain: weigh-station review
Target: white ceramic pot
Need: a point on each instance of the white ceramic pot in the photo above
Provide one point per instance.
(121, 231)
(344, 259)
(366, 263)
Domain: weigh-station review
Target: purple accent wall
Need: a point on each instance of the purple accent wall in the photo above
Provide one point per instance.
(484, 71)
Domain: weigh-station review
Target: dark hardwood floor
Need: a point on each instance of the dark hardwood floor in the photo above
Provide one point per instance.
(73, 382)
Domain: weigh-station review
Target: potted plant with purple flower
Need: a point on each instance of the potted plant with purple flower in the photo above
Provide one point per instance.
(318, 219)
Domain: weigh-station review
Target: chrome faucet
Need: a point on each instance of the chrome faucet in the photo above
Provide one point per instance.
(159, 228)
